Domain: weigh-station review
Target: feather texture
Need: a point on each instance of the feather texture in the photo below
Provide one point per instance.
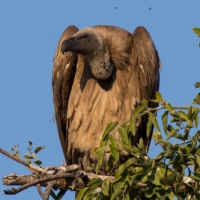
(84, 104)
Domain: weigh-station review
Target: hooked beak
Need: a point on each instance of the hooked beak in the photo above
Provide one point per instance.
(67, 44)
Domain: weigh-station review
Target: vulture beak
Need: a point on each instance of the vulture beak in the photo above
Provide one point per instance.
(67, 44)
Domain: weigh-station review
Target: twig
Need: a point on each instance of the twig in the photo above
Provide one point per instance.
(14, 157)
(48, 190)
(38, 181)
(40, 191)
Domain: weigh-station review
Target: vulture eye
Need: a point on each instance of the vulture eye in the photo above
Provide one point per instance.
(84, 37)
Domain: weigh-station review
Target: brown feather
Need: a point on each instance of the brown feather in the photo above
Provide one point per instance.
(85, 105)
(119, 48)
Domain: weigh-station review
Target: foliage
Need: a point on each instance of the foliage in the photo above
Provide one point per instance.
(30, 155)
(197, 31)
(173, 172)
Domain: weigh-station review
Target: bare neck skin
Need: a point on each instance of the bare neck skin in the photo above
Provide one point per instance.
(99, 61)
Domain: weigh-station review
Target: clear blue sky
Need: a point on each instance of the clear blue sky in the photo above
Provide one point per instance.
(29, 32)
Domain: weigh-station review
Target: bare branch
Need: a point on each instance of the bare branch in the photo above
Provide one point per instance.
(14, 157)
(48, 190)
(50, 177)
(39, 181)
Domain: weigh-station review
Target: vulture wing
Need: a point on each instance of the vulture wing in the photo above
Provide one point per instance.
(62, 80)
(145, 60)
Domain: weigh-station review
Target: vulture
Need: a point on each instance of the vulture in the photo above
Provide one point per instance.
(100, 75)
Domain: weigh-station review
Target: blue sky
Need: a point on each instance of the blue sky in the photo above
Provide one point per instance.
(29, 32)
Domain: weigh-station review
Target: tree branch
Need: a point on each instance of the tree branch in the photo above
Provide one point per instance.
(63, 177)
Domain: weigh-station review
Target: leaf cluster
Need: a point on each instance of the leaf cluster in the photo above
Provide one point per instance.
(173, 172)
(30, 156)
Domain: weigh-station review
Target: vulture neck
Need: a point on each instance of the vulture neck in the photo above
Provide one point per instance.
(99, 61)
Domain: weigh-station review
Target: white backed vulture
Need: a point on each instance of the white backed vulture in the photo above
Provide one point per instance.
(100, 75)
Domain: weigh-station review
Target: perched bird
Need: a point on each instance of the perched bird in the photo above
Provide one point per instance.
(100, 75)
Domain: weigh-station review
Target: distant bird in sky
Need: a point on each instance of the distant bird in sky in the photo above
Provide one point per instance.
(100, 75)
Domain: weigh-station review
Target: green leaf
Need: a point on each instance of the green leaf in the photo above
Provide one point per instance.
(34, 156)
(94, 181)
(121, 170)
(131, 161)
(163, 143)
(144, 179)
(133, 124)
(149, 193)
(197, 152)
(117, 190)
(185, 136)
(38, 149)
(196, 120)
(106, 187)
(101, 156)
(96, 150)
(141, 143)
(114, 152)
(189, 114)
(28, 157)
(157, 136)
(163, 170)
(154, 179)
(110, 162)
(81, 193)
(30, 143)
(187, 149)
(124, 135)
(139, 170)
(144, 102)
(169, 155)
(158, 96)
(154, 100)
(149, 127)
(38, 162)
(170, 108)
(183, 116)
(139, 110)
(147, 164)
(197, 160)
(169, 127)
(165, 121)
(170, 195)
(197, 31)
(197, 85)
(108, 129)
(197, 99)
(172, 133)
(113, 142)
(172, 178)
(154, 121)
(195, 113)
(159, 156)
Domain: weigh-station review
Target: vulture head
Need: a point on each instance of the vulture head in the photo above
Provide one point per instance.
(92, 45)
